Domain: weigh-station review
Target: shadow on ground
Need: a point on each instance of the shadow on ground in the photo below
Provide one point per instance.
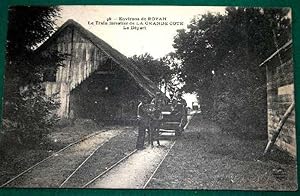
(206, 157)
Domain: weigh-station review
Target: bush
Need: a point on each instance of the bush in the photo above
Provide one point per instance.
(241, 105)
(30, 114)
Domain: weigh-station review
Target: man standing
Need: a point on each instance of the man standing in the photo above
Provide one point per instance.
(149, 117)
(143, 124)
(181, 100)
(155, 123)
(183, 104)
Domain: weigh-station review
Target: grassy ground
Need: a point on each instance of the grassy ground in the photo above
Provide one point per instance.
(20, 157)
(206, 157)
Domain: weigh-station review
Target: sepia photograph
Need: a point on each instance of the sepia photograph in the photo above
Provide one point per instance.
(149, 97)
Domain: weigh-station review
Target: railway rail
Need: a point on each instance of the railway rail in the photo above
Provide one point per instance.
(158, 166)
(47, 158)
(122, 160)
(86, 159)
(154, 172)
(130, 154)
(109, 169)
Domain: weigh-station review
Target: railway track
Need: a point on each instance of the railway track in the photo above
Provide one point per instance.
(49, 157)
(158, 166)
(154, 172)
(86, 159)
(130, 154)
(77, 168)
(102, 174)
(109, 169)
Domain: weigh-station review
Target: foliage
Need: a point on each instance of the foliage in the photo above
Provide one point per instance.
(157, 70)
(30, 114)
(220, 56)
(27, 110)
(27, 28)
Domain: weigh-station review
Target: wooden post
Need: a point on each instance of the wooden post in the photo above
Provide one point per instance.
(69, 77)
(279, 127)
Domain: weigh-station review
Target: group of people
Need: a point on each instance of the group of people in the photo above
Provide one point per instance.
(150, 116)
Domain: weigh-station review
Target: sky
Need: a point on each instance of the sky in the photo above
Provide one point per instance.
(156, 40)
(157, 26)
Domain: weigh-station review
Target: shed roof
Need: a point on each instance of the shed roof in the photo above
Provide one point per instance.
(142, 80)
(284, 47)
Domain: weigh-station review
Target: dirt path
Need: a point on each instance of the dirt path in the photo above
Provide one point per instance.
(205, 157)
(104, 157)
(52, 172)
(136, 170)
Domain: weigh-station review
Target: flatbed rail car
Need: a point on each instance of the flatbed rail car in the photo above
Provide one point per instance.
(174, 118)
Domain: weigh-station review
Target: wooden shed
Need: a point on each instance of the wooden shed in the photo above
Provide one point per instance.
(280, 96)
(96, 81)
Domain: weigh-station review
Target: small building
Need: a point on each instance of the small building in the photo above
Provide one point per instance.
(280, 95)
(96, 82)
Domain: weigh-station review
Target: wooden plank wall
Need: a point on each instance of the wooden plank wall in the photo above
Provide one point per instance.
(280, 95)
(84, 59)
(62, 92)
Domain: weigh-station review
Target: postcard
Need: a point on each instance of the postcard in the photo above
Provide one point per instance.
(149, 97)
